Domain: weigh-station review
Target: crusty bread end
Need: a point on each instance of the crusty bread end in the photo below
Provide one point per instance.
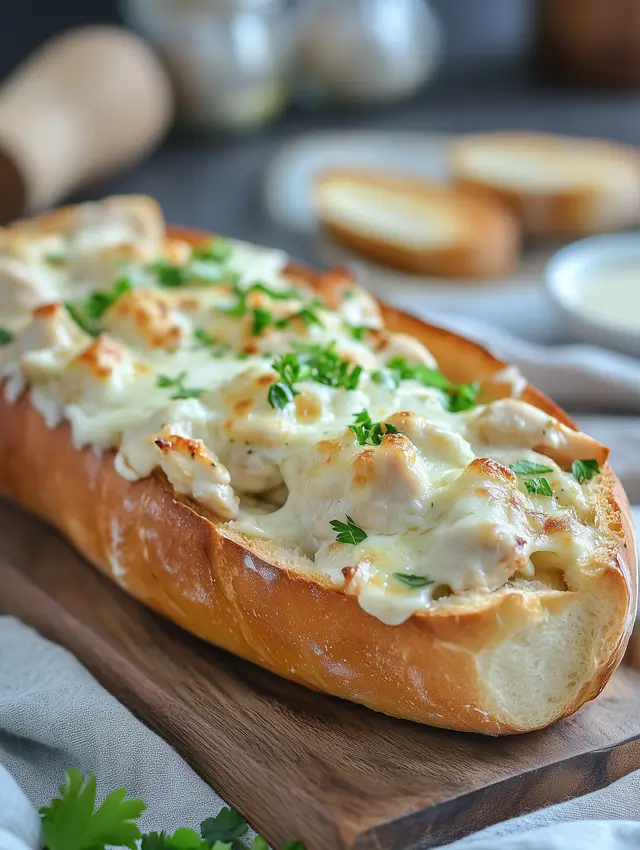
(557, 186)
(416, 226)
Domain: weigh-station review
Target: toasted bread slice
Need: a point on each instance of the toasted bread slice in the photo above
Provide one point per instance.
(556, 185)
(416, 226)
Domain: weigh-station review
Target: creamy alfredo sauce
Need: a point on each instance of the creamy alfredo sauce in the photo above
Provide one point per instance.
(612, 295)
(288, 411)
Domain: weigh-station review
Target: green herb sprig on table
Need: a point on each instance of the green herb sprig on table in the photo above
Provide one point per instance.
(72, 821)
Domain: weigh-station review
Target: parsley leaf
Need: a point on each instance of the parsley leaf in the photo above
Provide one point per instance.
(527, 467)
(348, 532)
(259, 843)
(585, 470)
(309, 316)
(276, 294)
(460, 396)
(315, 363)
(5, 336)
(204, 337)
(227, 825)
(368, 431)
(293, 845)
(385, 378)
(217, 250)
(177, 383)
(87, 312)
(290, 368)
(261, 320)
(538, 486)
(280, 395)
(413, 581)
(55, 259)
(169, 275)
(71, 821)
(358, 331)
(241, 308)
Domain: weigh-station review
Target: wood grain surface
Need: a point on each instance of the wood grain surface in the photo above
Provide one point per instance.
(298, 764)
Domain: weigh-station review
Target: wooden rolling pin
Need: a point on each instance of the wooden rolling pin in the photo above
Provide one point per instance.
(82, 106)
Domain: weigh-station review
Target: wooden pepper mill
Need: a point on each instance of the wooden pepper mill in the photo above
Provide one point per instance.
(82, 106)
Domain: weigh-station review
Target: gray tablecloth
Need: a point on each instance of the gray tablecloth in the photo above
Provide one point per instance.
(53, 714)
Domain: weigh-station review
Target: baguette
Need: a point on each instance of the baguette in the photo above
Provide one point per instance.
(416, 226)
(494, 660)
(556, 186)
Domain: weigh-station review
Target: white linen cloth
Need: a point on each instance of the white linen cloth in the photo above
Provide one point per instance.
(53, 714)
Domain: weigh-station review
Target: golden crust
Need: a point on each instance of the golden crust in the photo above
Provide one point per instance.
(168, 553)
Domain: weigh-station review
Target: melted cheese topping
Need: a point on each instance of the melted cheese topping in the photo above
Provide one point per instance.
(166, 355)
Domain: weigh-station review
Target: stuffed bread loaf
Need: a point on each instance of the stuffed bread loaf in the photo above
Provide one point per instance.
(278, 464)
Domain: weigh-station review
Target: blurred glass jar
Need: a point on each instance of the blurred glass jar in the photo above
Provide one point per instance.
(367, 50)
(230, 60)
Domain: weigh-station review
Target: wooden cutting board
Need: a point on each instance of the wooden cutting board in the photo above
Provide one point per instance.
(298, 764)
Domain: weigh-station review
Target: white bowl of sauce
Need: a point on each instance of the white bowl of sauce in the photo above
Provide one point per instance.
(596, 284)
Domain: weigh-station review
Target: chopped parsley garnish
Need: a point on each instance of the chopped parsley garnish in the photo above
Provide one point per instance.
(535, 486)
(262, 317)
(5, 336)
(585, 470)
(461, 396)
(261, 320)
(236, 310)
(55, 259)
(290, 368)
(324, 365)
(217, 250)
(177, 383)
(358, 331)
(348, 532)
(206, 340)
(276, 294)
(280, 395)
(538, 486)
(309, 316)
(204, 337)
(87, 312)
(385, 378)
(169, 275)
(200, 271)
(527, 467)
(313, 363)
(413, 581)
(367, 431)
